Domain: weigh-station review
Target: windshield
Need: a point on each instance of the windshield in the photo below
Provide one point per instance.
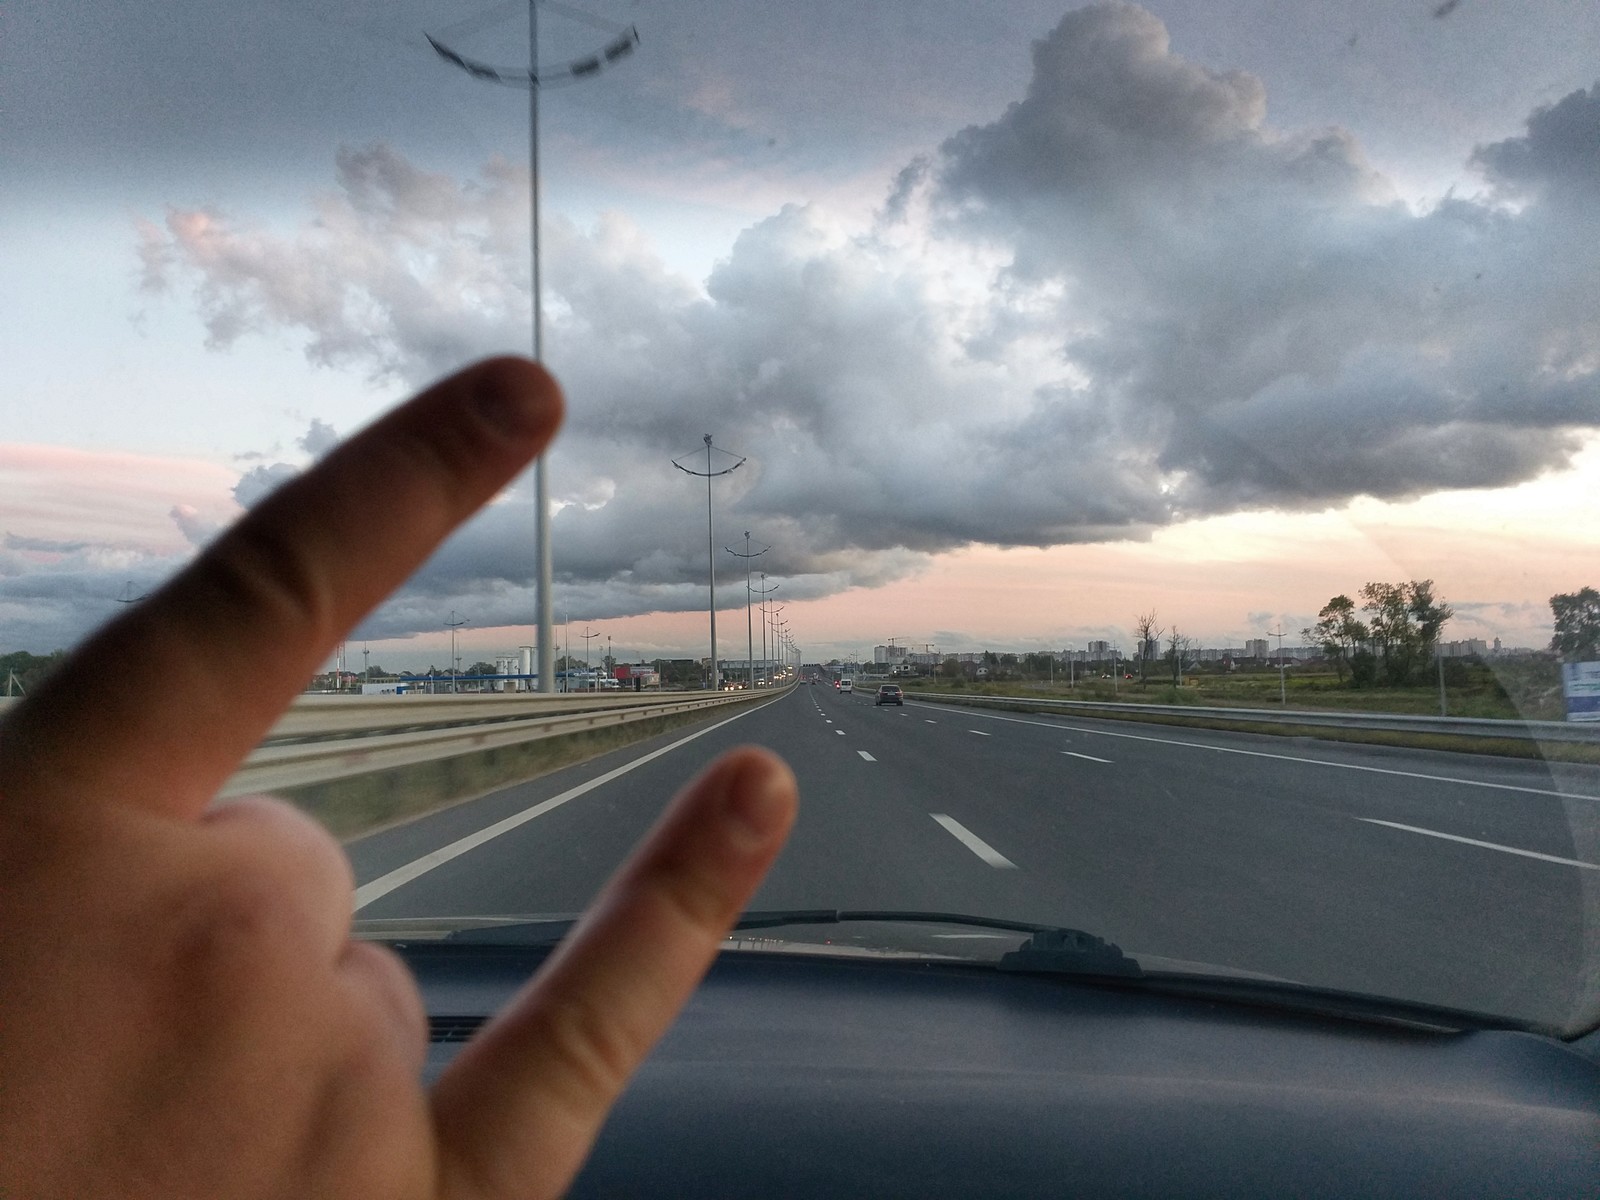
(1192, 407)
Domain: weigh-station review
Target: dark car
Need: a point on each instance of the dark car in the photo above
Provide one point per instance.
(890, 693)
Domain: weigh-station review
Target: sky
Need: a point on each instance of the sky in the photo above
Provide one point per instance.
(1025, 317)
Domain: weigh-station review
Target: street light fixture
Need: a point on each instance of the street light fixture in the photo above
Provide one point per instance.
(711, 543)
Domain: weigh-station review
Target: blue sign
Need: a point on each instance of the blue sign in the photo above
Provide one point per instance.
(1581, 683)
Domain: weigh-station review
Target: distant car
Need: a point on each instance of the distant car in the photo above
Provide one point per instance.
(847, 685)
(890, 693)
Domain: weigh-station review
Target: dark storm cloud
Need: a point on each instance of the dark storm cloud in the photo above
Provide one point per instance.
(1128, 300)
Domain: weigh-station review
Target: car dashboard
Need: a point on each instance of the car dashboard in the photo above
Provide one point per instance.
(804, 1075)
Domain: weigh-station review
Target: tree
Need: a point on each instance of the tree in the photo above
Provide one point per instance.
(1149, 633)
(1403, 627)
(951, 668)
(1338, 632)
(1177, 647)
(480, 668)
(1577, 631)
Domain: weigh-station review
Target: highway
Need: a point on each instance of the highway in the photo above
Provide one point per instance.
(1453, 879)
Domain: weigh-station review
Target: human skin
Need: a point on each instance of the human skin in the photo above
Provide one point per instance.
(182, 1009)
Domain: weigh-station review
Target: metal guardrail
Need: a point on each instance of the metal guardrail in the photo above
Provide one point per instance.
(322, 738)
(1483, 727)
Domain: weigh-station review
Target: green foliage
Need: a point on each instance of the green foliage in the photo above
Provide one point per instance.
(29, 669)
(1577, 620)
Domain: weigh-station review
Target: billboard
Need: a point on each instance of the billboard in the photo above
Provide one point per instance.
(1581, 683)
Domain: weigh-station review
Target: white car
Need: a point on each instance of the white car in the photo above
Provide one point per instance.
(845, 685)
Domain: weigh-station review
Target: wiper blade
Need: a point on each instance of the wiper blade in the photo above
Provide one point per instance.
(1051, 949)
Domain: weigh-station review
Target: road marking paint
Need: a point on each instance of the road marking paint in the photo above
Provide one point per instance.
(1316, 762)
(840, 732)
(866, 756)
(979, 732)
(926, 721)
(400, 876)
(1452, 837)
(973, 842)
(1090, 757)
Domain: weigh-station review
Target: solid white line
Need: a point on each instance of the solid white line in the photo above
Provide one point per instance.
(400, 876)
(973, 842)
(1451, 837)
(866, 756)
(1090, 757)
(979, 732)
(1317, 762)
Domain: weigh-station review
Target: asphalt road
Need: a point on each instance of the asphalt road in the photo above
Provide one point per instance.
(1453, 879)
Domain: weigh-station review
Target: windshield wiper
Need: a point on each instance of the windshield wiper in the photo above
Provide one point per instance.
(1049, 948)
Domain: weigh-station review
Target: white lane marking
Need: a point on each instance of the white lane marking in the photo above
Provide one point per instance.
(979, 732)
(1451, 837)
(926, 721)
(829, 721)
(1090, 757)
(840, 732)
(1316, 762)
(400, 876)
(973, 842)
(866, 756)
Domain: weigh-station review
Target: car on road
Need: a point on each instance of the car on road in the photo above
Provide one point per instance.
(890, 693)
(847, 685)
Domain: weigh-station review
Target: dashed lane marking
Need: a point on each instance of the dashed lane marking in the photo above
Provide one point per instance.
(974, 843)
(866, 756)
(1090, 757)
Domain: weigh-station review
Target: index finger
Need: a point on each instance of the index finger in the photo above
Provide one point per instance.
(159, 706)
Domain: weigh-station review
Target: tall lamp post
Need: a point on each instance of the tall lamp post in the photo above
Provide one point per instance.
(711, 542)
(587, 638)
(534, 78)
(1283, 689)
(454, 625)
(749, 627)
(764, 591)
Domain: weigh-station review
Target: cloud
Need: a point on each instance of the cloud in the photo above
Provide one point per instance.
(318, 438)
(196, 528)
(41, 545)
(1126, 302)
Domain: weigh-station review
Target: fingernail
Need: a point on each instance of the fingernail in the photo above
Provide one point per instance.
(759, 801)
(510, 399)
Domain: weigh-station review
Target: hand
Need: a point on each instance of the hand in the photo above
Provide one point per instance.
(182, 1011)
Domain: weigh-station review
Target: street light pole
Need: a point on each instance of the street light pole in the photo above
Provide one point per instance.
(534, 79)
(1283, 690)
(749, 628)
(763, 591)
(711, 547)
(453, 625)
(587, 638)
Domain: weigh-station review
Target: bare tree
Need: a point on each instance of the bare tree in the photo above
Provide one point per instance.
(1177, 647)
(1149, 633)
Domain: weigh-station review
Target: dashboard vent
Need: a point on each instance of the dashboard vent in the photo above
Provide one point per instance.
(453, 1029)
